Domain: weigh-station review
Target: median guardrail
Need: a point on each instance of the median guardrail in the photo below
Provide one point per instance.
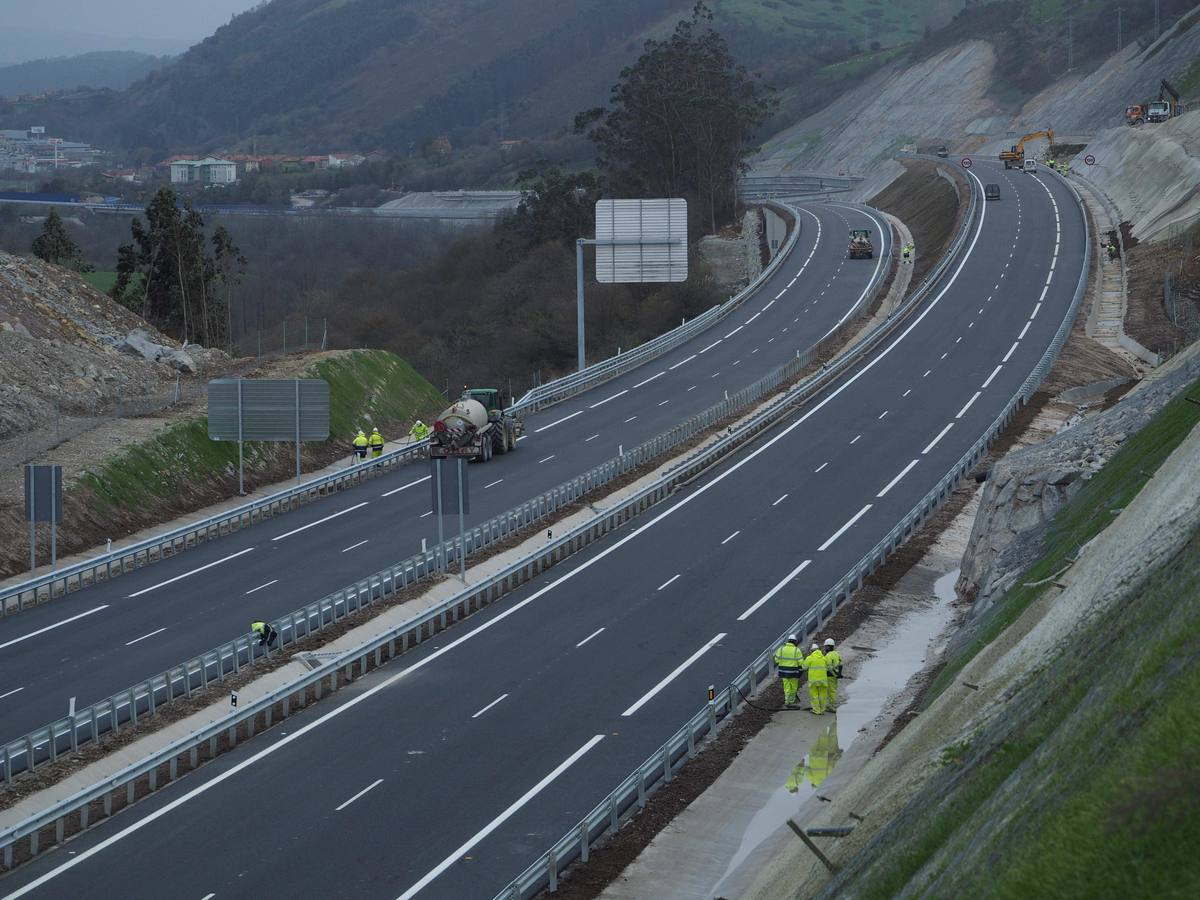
(630, 796)
(39, 589)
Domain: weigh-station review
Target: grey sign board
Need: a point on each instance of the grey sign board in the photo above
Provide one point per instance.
(270, 409)
(446, 473)
(641, 240)
(43, 494)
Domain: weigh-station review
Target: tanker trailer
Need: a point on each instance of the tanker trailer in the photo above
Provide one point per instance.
(474, 427)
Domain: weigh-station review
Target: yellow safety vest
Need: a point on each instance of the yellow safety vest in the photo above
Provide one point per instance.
(360, 440)
(376, 439)
(788, 659)
(833, 663)
(815, 665)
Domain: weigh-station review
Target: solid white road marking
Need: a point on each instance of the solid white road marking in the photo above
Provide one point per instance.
(26, 637)
(653, 692)
(405, 486)
(773, 591)
(589, 637)
(1011, 351)
(261, 586)
(780, 500)
(962, 412)
(606, 399)
(552, 455)
(837, 534)
(155, 587)
(369, 787)
(731, 537)
(669, 580)
(493, 484)
(934, 442)
(316, 523)
(891, 484)
(356, 546)
(651, 378)
(10, 693)
(489, 706)
(995, 372)
(578, 412)
(144, 636)
(500, 819)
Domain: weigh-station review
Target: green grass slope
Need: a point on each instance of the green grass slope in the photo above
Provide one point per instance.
(1089, 784)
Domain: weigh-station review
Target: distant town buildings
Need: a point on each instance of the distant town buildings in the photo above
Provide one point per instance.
(208, 170)
(31, 150)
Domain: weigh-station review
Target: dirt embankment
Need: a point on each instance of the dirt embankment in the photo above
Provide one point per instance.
(925, 201)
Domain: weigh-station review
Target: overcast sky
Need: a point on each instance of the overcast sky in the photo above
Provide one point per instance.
(31, 30)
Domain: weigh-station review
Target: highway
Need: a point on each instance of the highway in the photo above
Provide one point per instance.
(100, 640)
(447, 773)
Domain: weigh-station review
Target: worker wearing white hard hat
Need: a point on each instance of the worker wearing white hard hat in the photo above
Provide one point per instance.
(814, 665)
(833, 671)
(789, 660)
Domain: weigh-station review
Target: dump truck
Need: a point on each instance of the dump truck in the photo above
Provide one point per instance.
(860, 244)
(1014, 158)
(475, 426)
(1167, 106)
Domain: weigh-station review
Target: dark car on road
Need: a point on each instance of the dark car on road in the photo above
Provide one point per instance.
(943, 151)
(991, 192)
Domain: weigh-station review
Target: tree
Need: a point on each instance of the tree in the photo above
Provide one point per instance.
(229, 265)
(55, 245)
(556, 206)
(680, 120)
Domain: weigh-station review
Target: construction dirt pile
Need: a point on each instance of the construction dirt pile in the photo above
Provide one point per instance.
(927, 202)
(67, 349)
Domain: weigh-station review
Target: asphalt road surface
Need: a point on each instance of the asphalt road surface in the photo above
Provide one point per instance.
(101, 640)
(446, 774)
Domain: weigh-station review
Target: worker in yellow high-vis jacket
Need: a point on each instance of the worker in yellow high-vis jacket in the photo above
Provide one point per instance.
(789, 659)
(833, 671)
(814, 665)
(376, 442)
(360, 443)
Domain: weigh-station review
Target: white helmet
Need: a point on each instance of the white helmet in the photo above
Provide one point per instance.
(815, 647)
(792, 639)
(828, 642)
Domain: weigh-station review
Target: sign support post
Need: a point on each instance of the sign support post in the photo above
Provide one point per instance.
(297, 431)
(54, 518)
(241, 466)
(32, 522)
(462, 525)
(437, 477)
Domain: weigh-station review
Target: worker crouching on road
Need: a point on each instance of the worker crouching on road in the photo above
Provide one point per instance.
(266, 634)
(376, 442)
(833, 671)
(814, 665)
(789, 659)
(360, 445)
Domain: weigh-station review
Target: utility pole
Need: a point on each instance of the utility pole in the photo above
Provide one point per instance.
(1120, 42)
(1070, 41)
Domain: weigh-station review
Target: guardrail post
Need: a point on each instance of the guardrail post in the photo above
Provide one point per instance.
(52, 742)
(583, 841)
(7, 766)
(74, 736)
(666, 762)
(552, 870)
(133, 706)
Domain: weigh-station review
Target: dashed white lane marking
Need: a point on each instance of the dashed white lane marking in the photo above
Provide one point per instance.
(837, 534)
(755, 350)
(208, 897)
(606, 399)
(499, 820)
(552, 455)
(1033, 315)
(735, 363)
(1021, 336)
(646, 698)
(714, 374)
(934, 442)
(891, 484)
(589, 637)
(710, 346)
(682, 361)
(592, 438)
(770, 303)
(10, 693)
(665, 402)
(155, 587)
(856, 437)
(820, 467)
(1011, 351)
(563, 419)
(958, 340)
(343, 512)
(26, 637)
(780, 500)
(731, 537)
(494, 483)
(780, 294)
(944, 355)
(927, 371)
(369, 787)
(882, 414)
(906, 393)
(962, 412)
(773, 591)
(692, 388)
(752, 318)
(425, 515)
(732, 333)
(261, 586)
(669, 580)
(356, 546)
(405, 487)
(144, 636)
(490, 705)
(630, 419)
(648, 380)
(995, 372)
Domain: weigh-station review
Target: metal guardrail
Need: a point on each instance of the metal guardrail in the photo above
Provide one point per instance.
(44, 744)
(17, 597)
(136, 780)
(630, 796)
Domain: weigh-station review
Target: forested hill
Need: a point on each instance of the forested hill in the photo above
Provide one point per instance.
(116, 69)
(365, 74)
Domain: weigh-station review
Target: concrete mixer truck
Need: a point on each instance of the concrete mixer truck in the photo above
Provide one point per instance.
(474, 427)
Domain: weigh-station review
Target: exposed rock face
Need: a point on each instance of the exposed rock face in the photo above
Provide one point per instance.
(1028, 487)
(139, 343)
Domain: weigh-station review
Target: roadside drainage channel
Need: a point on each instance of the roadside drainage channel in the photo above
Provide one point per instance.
(64, 735)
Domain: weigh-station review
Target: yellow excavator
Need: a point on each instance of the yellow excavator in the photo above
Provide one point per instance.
(1014, 158)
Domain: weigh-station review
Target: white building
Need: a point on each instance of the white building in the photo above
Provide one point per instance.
(209, 170)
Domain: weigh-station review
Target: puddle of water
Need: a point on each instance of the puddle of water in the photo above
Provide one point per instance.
(859, 703)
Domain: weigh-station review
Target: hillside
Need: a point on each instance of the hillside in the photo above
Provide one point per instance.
(102, 69)
(314, 74)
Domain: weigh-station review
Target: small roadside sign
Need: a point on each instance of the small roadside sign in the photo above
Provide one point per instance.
(1090, 160)
(966, 162)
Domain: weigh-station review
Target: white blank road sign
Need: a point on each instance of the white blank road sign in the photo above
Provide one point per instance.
(636, 221)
